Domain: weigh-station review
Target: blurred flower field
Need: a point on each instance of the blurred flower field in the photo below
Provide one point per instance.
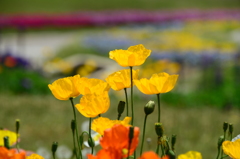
(204, 52)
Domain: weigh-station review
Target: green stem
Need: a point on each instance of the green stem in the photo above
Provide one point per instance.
(131, 74)
(224, 137)
(159, 108)
(144, 126)
(74, 143)
(89, 132)
(125, 90)
(162, 150)
(157, 150)
(218, 153)
(17, 144)
(76, 128)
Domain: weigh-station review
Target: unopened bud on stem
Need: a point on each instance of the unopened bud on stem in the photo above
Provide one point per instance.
(220, 141)
(173, 141)
(225, 126)
(17, 125)
(159, 129)
(54, 148)
(149, 107)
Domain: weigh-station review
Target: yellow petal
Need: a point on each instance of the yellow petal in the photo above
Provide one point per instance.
(134, 56)
(34, 156)
(232, 148)
(93, 85)
(65, 88)
(11, 135)
(91, 105)
(190, 155)
(100, 124)
(121, 79)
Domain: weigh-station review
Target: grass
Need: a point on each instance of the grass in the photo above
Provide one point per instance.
(45, 119)
(60, 6)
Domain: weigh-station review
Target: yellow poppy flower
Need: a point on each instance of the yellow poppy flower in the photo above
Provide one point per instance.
(121, 79)
(92, 105)
(65, 88)
(93, 85)
(133, 56)
(232, 148)
(34, 156)
(158, 83)
(100, 124)
(12, 136)
(190, 155)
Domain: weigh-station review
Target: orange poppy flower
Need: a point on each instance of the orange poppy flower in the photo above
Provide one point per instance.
(65, 88)
(11, 154)
(120, 135)
(121, 79)
(133, 56)
(158, 83)
(92, 85)
(91, 105)
(151, 155)
(105, 154)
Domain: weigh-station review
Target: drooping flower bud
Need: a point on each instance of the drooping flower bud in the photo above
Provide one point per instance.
(81, 139)
(149, 107)
(159, 129)
(91, 143)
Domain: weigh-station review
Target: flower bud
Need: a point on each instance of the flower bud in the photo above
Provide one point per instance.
(159, 129)
(121, 106)
(225, 126)
(91, 143)
(17, 125)
(220, 141)
(6, 142)
(171, 154)
(173, 141)
(54, 148)
(81, 139)
(230, 128)
(149, 107)
(131, 133)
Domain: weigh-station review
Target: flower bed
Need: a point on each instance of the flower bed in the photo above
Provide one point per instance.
(120, 139)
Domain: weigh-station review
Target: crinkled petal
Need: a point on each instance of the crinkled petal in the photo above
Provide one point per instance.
(232, 149)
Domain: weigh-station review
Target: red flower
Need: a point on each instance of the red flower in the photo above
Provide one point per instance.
(151, 155)
(11, 154)
(104, 154)
(115, 143)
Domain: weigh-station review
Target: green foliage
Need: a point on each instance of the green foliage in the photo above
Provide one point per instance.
(218, 86)
(19, 80)
(56, 6)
